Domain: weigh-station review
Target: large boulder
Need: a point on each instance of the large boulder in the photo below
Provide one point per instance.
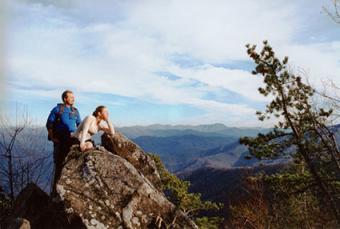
(34, 209)
(30, 201)
(18, 223)
(127, 149)
(116, 187)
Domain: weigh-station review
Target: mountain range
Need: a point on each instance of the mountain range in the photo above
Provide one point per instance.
(185, 148)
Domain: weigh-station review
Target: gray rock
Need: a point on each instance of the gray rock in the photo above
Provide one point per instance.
(126, 178)
(113, 187)
(19, 223)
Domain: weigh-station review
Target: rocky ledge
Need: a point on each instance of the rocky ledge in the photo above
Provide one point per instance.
(116, 185)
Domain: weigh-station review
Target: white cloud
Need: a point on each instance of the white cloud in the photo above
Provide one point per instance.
(116, 48)
(236, 80)
(215, 30)
(318, 61)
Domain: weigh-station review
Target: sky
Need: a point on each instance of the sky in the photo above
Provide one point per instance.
(166, 62)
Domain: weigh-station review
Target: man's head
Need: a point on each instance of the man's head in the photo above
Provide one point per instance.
(68, 97)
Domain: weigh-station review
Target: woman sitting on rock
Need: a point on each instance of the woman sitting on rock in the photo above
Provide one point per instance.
(90, 126)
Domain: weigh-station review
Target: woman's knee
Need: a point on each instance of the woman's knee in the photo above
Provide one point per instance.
(88, 145)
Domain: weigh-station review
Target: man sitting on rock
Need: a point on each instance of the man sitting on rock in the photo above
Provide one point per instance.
(61, 122)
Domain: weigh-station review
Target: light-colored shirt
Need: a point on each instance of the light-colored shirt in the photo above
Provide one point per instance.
(89, 127)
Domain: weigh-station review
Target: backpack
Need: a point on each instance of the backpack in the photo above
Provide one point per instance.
(61, 107)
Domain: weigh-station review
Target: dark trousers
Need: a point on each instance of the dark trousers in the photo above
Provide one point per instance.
(60, 151)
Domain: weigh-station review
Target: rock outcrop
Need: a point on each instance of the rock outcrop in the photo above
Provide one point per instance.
(34, 209)
(116, 185)
(127, 149)
(18, 223)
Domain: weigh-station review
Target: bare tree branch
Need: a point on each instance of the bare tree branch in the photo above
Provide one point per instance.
(334, 12)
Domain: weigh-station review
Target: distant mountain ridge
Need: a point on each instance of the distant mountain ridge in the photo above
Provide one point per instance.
(217, 129)
(177, 151)
(182, 150)
(188, 147)
(181, 146)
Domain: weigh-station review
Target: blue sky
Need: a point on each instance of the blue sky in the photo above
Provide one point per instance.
(168, 62)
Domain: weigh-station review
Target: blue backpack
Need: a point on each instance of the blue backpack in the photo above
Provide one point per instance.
(61, 108)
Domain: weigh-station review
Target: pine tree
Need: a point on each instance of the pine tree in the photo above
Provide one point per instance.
(301, 130)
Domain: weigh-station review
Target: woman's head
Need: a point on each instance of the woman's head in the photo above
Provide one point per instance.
(101, 112)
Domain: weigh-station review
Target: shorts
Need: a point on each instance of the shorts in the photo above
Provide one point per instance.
(75, 141)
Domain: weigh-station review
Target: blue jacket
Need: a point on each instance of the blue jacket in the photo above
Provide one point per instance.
(69, 121)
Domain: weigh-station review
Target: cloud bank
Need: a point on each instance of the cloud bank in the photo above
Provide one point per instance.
(168, 53)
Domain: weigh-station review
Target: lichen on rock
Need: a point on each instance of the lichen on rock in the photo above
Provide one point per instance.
(117, 185)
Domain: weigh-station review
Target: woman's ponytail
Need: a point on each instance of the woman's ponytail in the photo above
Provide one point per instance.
(98, 110)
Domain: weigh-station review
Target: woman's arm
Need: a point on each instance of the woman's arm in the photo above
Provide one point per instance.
(110, 130)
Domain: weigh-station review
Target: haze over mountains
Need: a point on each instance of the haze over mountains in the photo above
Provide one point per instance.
(185, 148)
(217, 129)
(181, 147)
(209, 156)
